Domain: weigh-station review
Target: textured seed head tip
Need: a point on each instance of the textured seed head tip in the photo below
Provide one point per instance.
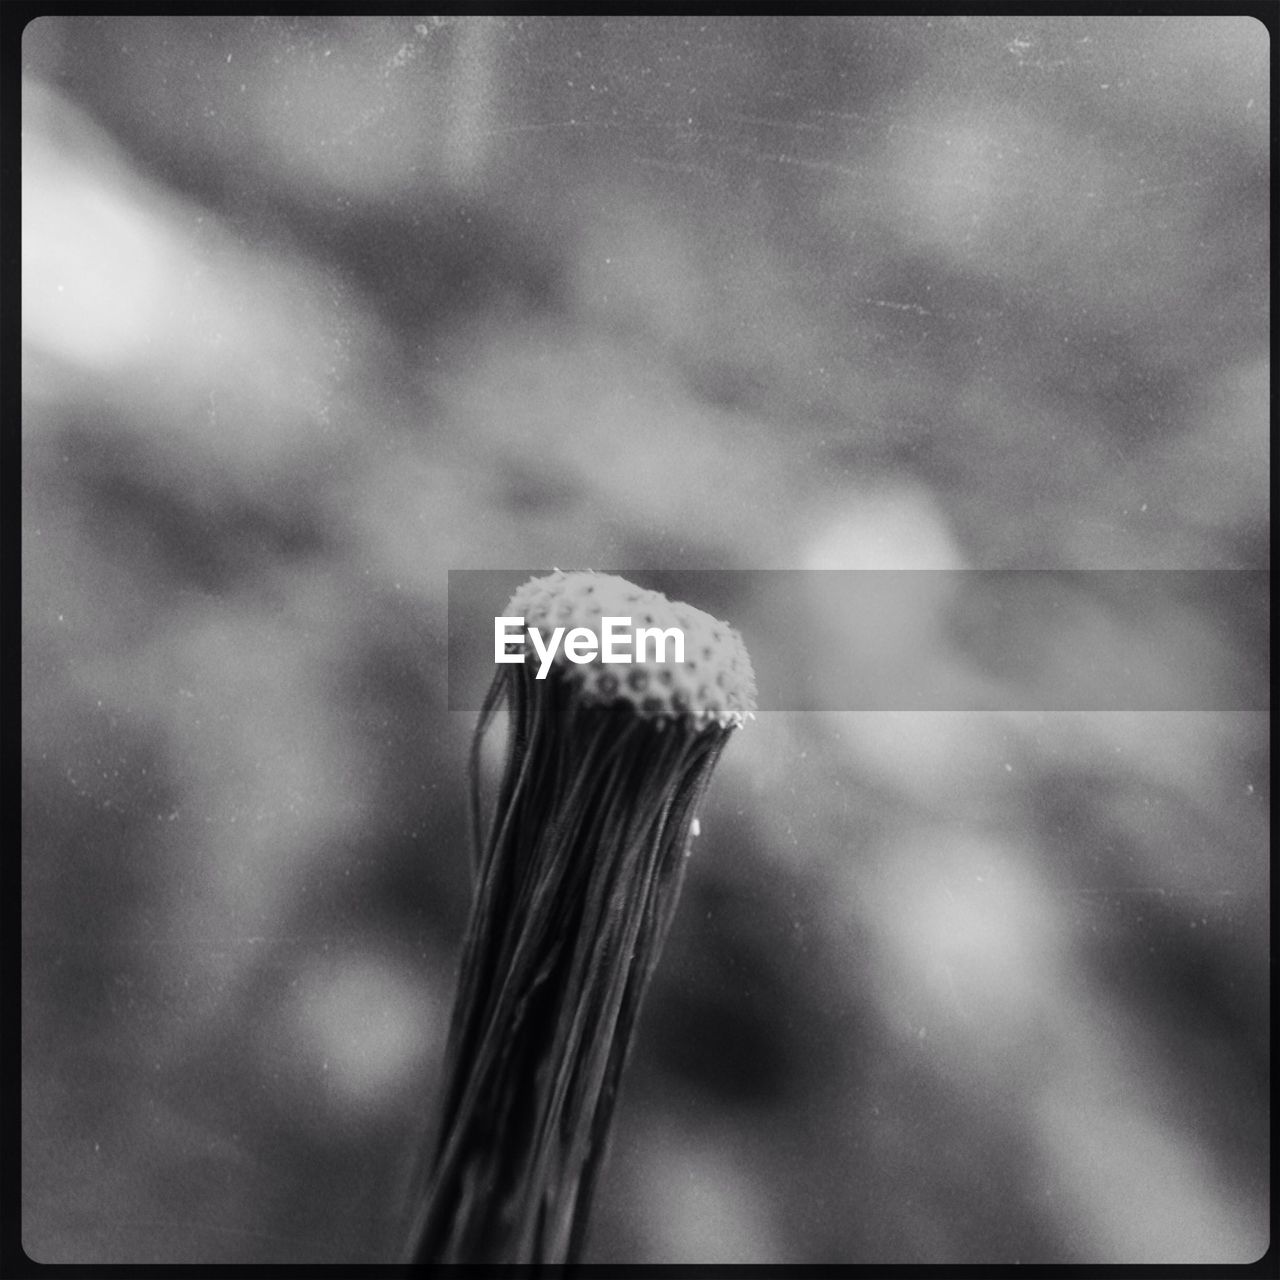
(715, 681)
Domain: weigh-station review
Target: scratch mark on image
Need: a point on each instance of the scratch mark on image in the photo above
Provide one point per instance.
(913, 307)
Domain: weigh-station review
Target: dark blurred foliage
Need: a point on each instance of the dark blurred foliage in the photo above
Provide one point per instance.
(315, 309)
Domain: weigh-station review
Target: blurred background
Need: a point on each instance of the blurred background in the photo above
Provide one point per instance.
(315, 310)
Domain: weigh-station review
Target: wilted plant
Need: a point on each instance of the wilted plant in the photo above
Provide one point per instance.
(577, 878)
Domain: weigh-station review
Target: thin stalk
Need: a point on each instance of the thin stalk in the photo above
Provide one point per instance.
(577, 876)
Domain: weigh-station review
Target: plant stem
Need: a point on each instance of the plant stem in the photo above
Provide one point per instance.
(577, 881)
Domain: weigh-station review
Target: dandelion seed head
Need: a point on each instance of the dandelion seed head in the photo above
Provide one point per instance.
(578, 873)
(715, 684)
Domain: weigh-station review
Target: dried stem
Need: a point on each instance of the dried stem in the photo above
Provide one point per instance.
(576, 883)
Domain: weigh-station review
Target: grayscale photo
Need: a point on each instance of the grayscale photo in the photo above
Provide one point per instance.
(644, 640)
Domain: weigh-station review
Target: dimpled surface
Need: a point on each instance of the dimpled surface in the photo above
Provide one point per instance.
(714, 683)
